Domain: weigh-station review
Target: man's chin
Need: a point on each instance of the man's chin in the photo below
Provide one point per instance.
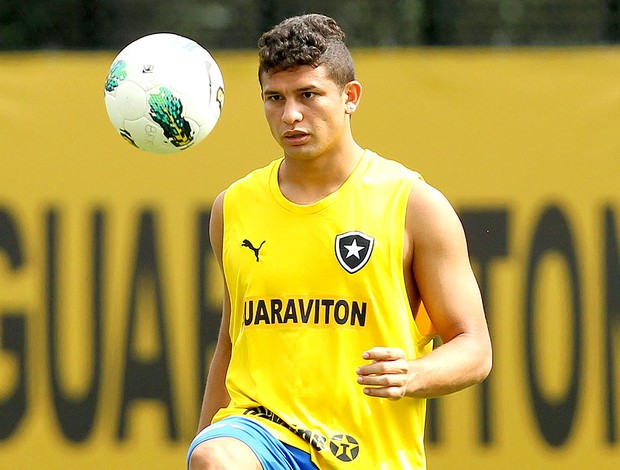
(299, 152)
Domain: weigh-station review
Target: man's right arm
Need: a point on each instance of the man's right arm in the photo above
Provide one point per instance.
(216, 396)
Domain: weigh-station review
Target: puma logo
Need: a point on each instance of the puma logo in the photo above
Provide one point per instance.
(247, 243)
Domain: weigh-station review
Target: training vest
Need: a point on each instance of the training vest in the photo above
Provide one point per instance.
(311, 288)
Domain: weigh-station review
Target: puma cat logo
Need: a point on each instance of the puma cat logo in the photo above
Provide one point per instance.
(247, 243)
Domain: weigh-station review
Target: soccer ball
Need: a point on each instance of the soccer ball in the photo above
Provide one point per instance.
(164, 93)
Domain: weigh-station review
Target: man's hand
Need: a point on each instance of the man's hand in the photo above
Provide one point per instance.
(387, 375)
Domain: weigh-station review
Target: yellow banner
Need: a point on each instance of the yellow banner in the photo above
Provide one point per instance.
(109, 294)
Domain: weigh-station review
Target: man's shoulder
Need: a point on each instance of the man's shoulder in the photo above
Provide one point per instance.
(257, 176)
(391, 169)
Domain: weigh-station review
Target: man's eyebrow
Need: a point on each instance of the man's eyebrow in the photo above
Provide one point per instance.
(308, 88)
(303, 89)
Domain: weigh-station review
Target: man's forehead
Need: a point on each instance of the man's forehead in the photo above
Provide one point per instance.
(300, 77)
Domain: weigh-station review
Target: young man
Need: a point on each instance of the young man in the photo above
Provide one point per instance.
(322, 360)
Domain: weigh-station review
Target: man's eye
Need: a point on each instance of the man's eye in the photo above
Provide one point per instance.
(274, 97)
(308, 94)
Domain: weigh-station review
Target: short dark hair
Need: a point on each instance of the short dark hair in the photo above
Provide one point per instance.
(310, 39)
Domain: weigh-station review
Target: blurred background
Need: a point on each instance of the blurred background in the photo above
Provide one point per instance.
(109, 293)
(235, 24)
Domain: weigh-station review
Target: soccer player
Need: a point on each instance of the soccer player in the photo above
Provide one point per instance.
(332, 258)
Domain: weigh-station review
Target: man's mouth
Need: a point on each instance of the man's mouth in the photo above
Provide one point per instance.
(296, 137)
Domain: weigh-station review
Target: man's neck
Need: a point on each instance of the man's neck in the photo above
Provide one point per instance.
(308, 181)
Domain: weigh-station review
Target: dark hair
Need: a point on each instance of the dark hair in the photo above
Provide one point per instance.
(312, 40)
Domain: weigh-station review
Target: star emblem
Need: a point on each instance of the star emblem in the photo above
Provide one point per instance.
(345, 448)
(353, 249)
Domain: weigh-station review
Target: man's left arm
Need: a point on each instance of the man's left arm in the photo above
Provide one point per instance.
(446, 284)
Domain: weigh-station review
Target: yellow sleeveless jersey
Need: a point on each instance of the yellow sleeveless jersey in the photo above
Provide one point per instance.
(312, 287)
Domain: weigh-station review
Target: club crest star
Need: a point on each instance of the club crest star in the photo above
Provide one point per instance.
(354, 249)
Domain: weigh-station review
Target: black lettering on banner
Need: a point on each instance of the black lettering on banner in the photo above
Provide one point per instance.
(554, 417)
(147, 378)
(13, 332)
(611, 318)
(13, 339)
(488, 239)
(75, 415)
(208, 314)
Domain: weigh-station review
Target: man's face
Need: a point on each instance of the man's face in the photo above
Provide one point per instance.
(305, 110)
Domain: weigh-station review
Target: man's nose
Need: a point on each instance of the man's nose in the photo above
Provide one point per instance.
(292, 112)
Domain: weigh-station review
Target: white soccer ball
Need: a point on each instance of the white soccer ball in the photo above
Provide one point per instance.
(164, 93)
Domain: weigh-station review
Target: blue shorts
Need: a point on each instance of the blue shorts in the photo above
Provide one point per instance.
(272, 453)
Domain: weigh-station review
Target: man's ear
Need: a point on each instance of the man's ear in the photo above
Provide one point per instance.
(352, 94)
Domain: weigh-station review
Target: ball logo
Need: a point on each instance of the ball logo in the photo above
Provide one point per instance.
(127, 136)
(116, 75)
(353, 250)
(167, 111)
(344, 447)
